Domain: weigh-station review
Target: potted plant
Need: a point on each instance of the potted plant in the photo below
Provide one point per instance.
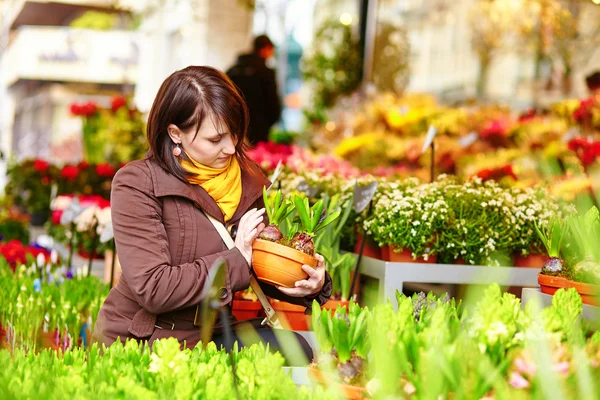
(580, 268)
(278, 259)
(344, 347)
(328, 243)
(407, 218)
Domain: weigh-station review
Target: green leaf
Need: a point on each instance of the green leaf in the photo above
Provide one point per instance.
(303, 211)
(267, 204)
(316, 212)
(328, 220)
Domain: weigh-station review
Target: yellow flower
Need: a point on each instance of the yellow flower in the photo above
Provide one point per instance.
(354, 143)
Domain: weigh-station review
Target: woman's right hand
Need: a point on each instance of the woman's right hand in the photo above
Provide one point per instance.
(250, 226)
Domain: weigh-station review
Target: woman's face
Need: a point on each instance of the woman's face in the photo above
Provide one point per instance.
(210, 147)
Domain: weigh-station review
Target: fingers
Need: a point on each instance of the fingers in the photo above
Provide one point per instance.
(251, 219)
(310, 271)
(292, 292)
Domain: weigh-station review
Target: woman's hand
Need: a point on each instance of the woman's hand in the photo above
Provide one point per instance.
(312, 285)
(251, 225)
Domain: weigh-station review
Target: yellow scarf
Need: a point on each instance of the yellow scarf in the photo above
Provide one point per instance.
(224, 185)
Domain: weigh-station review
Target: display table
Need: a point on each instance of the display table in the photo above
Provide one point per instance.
(392, 275)
(590, 313)
(299, 375)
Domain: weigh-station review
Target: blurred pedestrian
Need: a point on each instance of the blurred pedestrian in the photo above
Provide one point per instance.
(258, 85)
(593, 83)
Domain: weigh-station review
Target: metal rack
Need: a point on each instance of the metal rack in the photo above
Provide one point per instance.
(393, 275)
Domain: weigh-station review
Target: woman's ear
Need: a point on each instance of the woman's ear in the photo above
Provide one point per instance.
(174, 133)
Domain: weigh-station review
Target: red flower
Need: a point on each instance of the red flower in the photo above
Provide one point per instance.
(70, 172)
(41, 165)
(94, 200)
(117, 102)
(85, 109)
(55, 216)
(527, 115)
(83, 165)
(497, 173)
(45, 180)
(105, 170)
(584, 112)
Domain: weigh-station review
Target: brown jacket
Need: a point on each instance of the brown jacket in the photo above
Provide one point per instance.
(166, 246)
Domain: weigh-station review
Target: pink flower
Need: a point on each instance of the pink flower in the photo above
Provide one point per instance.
(518, 382)
(562, 368)
(527, 368)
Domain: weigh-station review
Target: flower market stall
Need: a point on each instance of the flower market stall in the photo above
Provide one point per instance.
(511, 205)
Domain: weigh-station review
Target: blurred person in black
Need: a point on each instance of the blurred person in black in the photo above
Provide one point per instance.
(258, 85)
(593, 83)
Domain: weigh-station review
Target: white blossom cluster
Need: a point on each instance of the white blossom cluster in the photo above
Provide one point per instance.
(480, 223)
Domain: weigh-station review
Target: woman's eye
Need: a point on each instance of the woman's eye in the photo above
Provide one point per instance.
(215, 141)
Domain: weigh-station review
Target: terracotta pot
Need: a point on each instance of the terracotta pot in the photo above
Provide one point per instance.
(333, 304)
(246, 309)
(459, 261)
(291, 316)
(371, 249)
(405, 256)
(279, 265)
(350, 392)
(587, 291)
(50, 340)
(530, 261)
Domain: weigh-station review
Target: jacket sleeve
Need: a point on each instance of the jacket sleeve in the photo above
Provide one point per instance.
(143, 249)
(271, 291)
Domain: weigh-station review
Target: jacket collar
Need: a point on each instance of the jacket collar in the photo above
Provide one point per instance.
(165, 184)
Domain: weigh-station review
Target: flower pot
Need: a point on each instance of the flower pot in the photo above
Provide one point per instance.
(279, 265)
(530, 261)
(588, 292)
(370, 250)
(50, 340)
(246, 309)
(350, 392)
(291, 316)
(405, 256)
(108, 255)
(39, 218)
(333, 304)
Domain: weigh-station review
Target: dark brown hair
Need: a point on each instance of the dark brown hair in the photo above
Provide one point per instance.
(185, 99)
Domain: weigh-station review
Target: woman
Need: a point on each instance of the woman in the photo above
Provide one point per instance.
(196, 164)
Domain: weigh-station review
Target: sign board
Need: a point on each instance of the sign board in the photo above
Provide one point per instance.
(468, 139)
(276, 174)
(363, 195)
(72, 55)
(429, 138)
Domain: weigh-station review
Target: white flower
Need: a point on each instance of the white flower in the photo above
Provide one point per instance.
(497, 330)
(60, 203)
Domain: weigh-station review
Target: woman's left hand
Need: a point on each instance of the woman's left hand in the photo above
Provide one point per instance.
(310, 286)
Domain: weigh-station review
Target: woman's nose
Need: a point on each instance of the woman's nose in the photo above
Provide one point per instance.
(229, 146)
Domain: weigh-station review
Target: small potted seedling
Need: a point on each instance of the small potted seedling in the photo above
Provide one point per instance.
(344, 346)
(278, 259)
